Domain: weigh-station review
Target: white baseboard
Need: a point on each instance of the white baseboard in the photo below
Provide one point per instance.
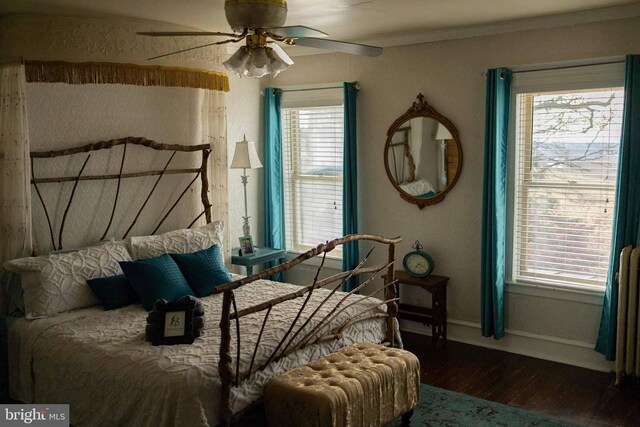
(576, 353)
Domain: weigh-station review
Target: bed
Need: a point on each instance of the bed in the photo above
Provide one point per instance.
(99, 362)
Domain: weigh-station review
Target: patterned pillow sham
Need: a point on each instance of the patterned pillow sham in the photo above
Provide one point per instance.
(177, 241)
(156, 278)
(204, 270)
(57, 283)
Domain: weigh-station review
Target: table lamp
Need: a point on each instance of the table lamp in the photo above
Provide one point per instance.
(245, 157)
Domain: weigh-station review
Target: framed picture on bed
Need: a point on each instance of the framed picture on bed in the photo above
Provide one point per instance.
(246, 245)
(175, 323)
(179, 322)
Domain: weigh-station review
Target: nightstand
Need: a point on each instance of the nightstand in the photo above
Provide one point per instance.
(436, 316)
(261, 256)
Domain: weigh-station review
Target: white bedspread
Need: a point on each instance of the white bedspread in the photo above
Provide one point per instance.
(99, 363)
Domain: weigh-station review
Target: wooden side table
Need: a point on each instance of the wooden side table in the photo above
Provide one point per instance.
(261, 256)
(436, 316)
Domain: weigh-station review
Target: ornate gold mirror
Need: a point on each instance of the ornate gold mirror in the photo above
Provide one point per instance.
(422, 155)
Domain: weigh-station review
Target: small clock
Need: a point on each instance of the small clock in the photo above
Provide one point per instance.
(418, 263)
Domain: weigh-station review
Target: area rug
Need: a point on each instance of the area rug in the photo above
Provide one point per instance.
(444, 408)
(439, 407)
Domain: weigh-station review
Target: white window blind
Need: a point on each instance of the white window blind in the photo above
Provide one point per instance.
(566, 160)
(312, 145)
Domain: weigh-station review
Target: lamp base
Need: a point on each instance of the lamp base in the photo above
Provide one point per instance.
(246, 228)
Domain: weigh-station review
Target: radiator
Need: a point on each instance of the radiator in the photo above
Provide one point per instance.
(627, 338)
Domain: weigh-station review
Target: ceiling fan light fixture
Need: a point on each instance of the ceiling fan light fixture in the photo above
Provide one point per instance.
(280, 61)
(259, 64)
(256, 61)
(260, 24)
(237, 63)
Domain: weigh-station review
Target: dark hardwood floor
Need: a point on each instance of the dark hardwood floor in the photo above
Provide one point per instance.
(574, 394)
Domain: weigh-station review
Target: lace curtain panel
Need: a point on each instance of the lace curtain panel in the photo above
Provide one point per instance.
(214, 133)
(15, 196)
(15, 186)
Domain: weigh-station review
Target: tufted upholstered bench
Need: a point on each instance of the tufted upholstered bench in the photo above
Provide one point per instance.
(360, 385)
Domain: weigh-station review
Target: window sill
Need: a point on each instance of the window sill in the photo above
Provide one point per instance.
(331, 262)
(584, 295)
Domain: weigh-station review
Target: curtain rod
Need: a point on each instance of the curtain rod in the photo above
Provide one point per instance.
(311, 88)
(306, 89)
(567, 67)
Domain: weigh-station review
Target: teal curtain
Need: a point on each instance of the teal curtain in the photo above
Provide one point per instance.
(627, 208)
(350, 254)
(273, 175)
(494, 202)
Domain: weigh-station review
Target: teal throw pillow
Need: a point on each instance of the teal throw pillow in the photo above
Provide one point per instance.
(156, 278)
(204, 270)
(113, 291)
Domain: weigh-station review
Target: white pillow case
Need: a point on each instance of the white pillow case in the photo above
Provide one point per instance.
(57, 283)
(177, 241)
(416, 188)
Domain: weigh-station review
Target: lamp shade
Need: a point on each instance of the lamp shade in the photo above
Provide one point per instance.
(238, 61)
(442, 132)
(245, 156)
(280, 61)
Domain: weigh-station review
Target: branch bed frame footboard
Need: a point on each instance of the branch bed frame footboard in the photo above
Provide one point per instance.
(230, 375)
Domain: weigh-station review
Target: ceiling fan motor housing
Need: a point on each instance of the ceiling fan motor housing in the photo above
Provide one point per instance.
(243, 14)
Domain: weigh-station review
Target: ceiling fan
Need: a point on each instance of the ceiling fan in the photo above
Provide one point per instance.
(260, 24)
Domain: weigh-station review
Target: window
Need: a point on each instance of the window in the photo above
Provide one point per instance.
(312, 150)
(567, 135)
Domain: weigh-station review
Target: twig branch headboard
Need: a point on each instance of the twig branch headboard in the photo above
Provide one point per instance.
(198, 172)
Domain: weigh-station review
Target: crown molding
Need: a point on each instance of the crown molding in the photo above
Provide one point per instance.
(525, 24)
(565, 19)
(452, 33)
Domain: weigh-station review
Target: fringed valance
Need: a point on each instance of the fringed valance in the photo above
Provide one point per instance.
(127, 74)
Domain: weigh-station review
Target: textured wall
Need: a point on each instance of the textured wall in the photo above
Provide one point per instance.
(62, 116)
(451, 76)
(77, 39)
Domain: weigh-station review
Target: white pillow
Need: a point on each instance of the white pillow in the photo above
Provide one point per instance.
(417, 188)
(177, 241)
(57, 283)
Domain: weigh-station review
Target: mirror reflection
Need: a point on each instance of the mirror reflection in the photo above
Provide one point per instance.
(417, 157)
(423, 157)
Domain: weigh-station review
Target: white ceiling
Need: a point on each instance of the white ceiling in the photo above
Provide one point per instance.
(381, 22)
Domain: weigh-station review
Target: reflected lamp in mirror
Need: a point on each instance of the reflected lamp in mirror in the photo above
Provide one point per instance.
(442, 135)
(245, 157)
(423, 157)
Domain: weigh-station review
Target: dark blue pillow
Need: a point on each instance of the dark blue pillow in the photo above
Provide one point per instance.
(113, 291)
(156, 278)
(204, 270)
(427, 194)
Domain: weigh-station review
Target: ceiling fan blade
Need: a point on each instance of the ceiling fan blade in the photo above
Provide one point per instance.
(281, 53)
(183, 33)
(193, 48)
(297, 31)
(338, 46)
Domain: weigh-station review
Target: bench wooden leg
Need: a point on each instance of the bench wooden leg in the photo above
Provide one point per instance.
(406, 418)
